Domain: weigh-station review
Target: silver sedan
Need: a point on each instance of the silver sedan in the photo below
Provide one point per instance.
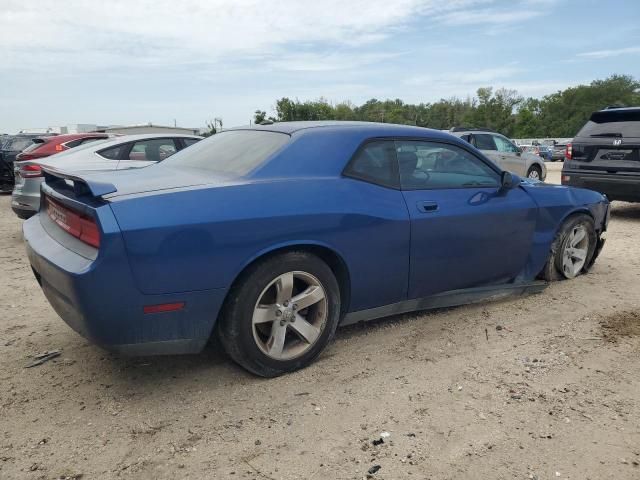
(120, 153)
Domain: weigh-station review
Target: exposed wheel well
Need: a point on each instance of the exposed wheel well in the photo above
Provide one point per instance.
(331, 258)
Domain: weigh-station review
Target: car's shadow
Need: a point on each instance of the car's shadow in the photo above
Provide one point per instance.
(625, 211)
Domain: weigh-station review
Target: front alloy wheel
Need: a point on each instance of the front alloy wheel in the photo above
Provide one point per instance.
(576, 249)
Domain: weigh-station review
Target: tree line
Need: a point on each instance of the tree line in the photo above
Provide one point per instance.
(557, 115)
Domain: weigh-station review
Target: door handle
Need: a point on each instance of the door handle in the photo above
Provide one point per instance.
(427, 206)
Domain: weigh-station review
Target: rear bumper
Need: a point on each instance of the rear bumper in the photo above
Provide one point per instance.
(99, 300)
(25, 206)
(615, 186)
(25, 198)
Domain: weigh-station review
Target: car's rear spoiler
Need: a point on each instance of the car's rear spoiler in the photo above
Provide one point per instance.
(81, 185)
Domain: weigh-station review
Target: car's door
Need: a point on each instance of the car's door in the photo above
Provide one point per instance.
(379, 256)
(465, 230)
(511, 158)
(147, 152)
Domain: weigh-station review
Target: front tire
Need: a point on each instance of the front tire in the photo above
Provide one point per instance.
(572, 249)
(280, 314)
(535, 172)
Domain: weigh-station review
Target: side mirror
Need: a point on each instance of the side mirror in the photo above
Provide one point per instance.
(508, 181)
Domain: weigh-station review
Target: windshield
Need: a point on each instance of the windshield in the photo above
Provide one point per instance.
(612, 123)
(232, 153)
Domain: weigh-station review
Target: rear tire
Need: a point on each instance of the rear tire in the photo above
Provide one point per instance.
(280, 314)
(571, 253)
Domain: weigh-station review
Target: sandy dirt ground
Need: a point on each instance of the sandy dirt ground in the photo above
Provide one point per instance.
(542, 387)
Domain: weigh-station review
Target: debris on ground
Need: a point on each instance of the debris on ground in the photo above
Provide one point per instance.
(374, 469)
(43, 358)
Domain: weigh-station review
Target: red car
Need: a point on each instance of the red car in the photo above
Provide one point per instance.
(46, 146)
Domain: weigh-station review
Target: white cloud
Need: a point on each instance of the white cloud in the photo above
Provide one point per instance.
(610, 53)
(489, 17)
(324, 62)
(477, 78)
(163, 31)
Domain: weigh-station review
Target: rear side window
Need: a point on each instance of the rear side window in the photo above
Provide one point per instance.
(190, 141)
(233, 153)
(376, 163)
(152, 150)
(612, 123)
(483, 141)
(112, 153)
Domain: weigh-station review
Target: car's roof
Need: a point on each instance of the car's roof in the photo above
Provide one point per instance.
(373, 128)
(459, 133)
(75, 136)
(621, 109)
(117, 140)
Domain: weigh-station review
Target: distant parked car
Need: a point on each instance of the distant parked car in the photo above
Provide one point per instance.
(558, 152)
(269, 237)
(42, 147)
(11, 146)
(504, 152)
(119, 153)
(605, 155)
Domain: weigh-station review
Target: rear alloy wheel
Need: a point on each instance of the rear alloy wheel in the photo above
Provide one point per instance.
(534, 172)
(286, 325)
(572, 249)
(280, 314)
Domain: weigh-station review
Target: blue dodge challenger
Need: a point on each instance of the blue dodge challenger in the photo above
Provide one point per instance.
(270, 237)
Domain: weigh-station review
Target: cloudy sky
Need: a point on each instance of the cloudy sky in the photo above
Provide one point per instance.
(139, 61)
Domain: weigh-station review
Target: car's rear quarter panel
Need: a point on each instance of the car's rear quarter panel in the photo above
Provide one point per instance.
(203, 238)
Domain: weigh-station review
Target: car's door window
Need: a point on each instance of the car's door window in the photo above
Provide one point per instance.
(484, 141)
(504, 145)
(152, 150)
(434, 165)
(375, 163)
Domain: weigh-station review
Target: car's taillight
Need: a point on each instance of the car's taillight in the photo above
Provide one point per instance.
(83, 227)
(30, 171)
(568, 152)
(60, 148)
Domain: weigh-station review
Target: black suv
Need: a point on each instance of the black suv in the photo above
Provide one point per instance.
(605, 155)
(11, 146)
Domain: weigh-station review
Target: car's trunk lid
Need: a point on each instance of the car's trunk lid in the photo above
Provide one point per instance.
(109, 185)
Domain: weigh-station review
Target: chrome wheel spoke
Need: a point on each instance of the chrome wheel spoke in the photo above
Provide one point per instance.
(275, 344)
(578, 236)
(284, 288)
(310, 296)
(578, 253)
(308, 332)
(264, 314)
